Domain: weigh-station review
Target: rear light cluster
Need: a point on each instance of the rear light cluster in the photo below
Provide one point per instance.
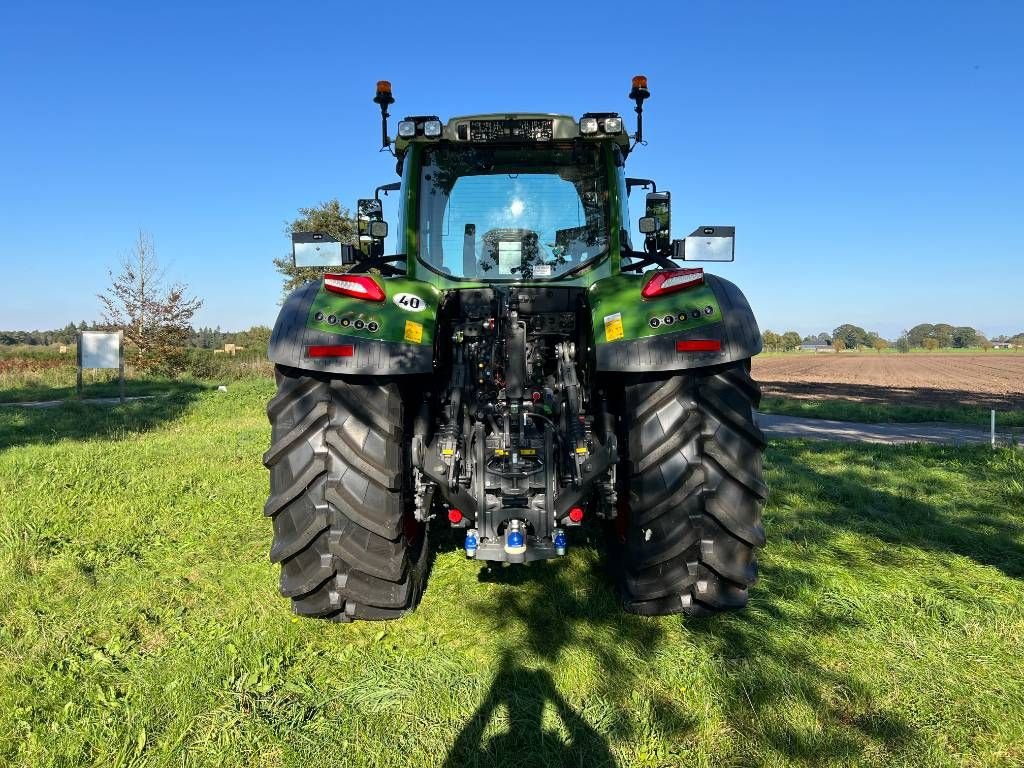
(670, 281)
(356, 286)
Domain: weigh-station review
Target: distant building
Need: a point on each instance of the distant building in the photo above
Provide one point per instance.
(1002, 345)
(816, 348)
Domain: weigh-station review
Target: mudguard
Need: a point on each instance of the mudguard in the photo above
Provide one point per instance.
(385, 338)
(638, 336)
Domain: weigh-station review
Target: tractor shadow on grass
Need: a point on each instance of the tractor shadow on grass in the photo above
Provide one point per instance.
(904, 520)
(73, 420)
(525, 694)
(545, 611)
(767, 655)
(771, 686)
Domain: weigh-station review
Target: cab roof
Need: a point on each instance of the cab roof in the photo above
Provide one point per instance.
(510, 127)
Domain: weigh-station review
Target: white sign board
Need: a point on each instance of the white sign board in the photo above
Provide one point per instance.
(100, 349)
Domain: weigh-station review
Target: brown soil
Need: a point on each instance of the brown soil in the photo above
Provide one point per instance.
(984, 380)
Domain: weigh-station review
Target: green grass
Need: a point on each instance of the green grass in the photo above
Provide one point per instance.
(869, 413)
(139, 621)
(33, 374)
(101, 387)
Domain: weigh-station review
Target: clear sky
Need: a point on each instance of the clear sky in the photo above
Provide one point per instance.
(870, 154)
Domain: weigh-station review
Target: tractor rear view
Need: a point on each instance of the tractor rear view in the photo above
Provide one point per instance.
(515, 370)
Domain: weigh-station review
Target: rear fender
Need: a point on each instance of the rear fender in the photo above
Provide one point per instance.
(637, 335)
(392, 337)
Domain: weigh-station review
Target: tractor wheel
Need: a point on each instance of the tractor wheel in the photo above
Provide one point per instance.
(344, 532)
(695, 491)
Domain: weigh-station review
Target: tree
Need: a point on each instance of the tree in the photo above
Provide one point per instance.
(853, 336)
(964, 337)
(790, 341)
(931, 343)
(332, 219)
(919, 333)
(155, 320)
(943, 334)
(772, 341)
(879, 343)
(903, 342)
(839, 344)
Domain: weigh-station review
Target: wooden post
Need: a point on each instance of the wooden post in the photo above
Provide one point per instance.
(120, 361)
(993, 429)
(78, 354)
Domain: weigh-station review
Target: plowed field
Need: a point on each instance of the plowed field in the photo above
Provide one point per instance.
(985, 380)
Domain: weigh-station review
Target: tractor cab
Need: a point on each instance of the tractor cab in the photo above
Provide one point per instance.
(513, 198)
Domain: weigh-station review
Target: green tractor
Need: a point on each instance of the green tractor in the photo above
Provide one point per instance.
(517, 371)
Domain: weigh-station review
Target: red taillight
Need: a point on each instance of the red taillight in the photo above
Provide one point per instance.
(454, 516)
(699, 345)
(330, 350)
(576, 514)
(357, 286)
(671, 281)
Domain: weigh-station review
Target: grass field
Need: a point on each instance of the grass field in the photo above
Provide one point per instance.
(139, 621)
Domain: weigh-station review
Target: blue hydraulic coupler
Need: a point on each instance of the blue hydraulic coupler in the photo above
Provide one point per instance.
(471, 543)
(560, 541)
(515, 537)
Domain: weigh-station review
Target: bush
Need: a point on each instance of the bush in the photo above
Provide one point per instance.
(206, 365)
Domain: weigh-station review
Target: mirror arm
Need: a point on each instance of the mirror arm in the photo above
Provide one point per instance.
(642, 183)
(385, 188)
(382, 263)
(646, 260)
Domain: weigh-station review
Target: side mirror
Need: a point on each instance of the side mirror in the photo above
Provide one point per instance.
(706, 244)
(659, 215)
(315, 249)
(370, 214)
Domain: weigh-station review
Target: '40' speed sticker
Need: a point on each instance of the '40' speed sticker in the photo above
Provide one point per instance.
(410, 302)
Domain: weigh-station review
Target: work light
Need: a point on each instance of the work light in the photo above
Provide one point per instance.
(407, 129)
(613, 125)
(588, 125)
(432, 128)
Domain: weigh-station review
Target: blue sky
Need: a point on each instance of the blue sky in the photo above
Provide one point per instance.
(870, 154)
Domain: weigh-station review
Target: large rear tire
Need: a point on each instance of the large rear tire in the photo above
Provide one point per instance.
(344, 532)
(695, 486)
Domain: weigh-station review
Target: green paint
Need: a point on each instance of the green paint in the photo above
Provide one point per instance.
(621, 295)
(392, 319)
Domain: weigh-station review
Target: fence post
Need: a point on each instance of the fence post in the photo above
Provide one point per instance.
(120, 361)
(993, 429)
(78, 376)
